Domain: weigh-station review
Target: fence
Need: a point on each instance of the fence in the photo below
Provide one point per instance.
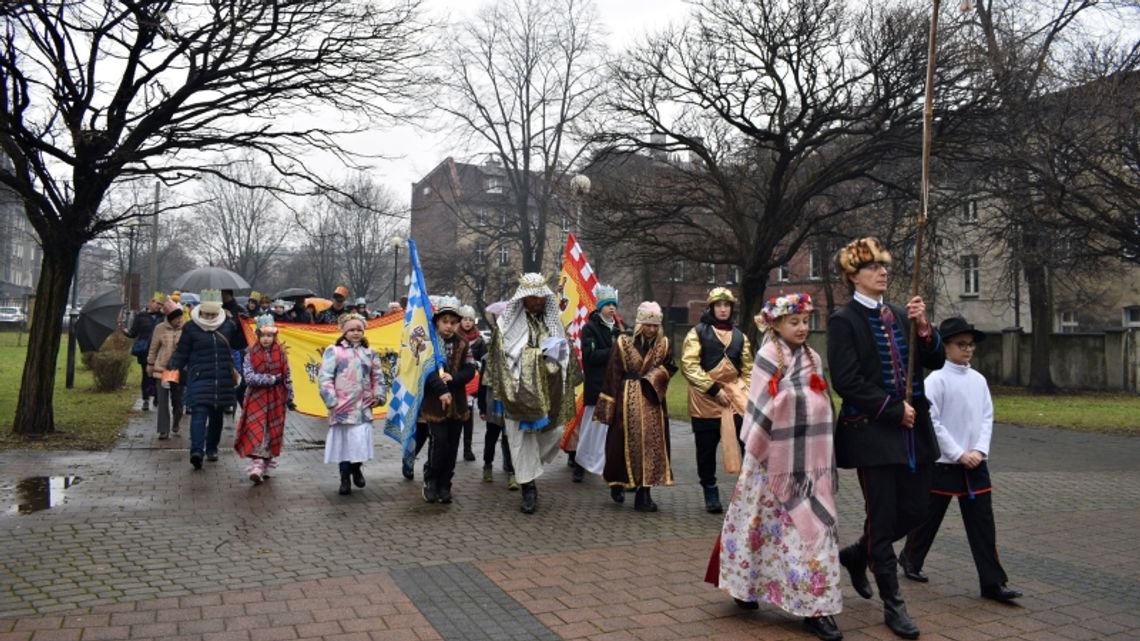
(1108, 361)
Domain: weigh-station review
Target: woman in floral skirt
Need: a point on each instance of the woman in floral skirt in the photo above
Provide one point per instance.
(778, 542)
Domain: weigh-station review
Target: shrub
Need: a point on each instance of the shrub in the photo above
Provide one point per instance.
(110, 369)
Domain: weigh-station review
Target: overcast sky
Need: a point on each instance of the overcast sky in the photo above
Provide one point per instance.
(420, 151)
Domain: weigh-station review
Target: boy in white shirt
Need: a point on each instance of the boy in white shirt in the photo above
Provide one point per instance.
(963, 417)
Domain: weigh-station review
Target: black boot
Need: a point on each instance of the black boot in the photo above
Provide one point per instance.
(578, 474)
(444, 493)
(823, 628)
(852, 558)
(357, 475)
(529, 498)
(617, 493)
(643, 502)
(894, 609)
(712, 500)
(430, 492)
(345, 479)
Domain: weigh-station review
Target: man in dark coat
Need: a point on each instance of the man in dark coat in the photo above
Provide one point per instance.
(205, 353)
(141, 329)
(598, 336)
(886, 436)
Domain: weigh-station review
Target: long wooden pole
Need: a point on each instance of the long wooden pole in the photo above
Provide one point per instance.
(924, 194)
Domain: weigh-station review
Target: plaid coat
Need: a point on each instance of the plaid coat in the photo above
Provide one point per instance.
(269, 390)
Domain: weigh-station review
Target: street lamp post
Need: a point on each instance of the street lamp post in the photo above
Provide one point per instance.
(395, 242)
(132, 289)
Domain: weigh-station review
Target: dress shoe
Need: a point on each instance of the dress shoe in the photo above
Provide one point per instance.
(1000, 593)
(746, 605)
(212, 457)
(162, 436)
(196, 460)
(712, 500)
(823, 628)
(468, 455)
(643, 501)
(911, 573)
(851, 557)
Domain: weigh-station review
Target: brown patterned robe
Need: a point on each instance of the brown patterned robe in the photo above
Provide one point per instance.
(632, 404)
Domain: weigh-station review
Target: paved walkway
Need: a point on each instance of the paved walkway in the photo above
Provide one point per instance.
(139, 546)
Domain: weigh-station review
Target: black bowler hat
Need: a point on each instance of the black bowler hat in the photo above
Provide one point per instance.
(957, 325)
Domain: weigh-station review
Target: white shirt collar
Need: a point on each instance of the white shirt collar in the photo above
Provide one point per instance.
(867, 301)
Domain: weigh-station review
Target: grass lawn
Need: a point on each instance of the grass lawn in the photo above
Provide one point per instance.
(1110, 413)
(84, 419)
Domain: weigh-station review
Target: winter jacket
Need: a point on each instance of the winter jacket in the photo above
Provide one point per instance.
(163, 342)
(597, 343)
(461, 366)
(208, 363)
(142, 327)
(351, 383)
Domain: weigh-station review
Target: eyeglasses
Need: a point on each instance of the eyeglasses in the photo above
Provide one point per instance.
(876, 266)
(964, 345)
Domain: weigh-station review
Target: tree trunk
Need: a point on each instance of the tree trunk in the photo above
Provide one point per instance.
(34, 409)
(1041, 314)
(752, 288)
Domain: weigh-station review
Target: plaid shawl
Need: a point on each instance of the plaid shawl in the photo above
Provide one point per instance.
(790, 435)
(263, 412)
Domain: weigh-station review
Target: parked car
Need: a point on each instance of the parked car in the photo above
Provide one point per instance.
(12, 317)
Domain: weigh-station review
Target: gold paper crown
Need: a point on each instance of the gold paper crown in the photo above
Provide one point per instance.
(159, 297)
(532, 280)
(210, 296)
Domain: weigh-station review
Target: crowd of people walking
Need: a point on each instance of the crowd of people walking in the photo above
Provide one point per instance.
(914, 441)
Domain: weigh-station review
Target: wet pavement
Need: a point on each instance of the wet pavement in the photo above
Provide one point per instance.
(132, 544)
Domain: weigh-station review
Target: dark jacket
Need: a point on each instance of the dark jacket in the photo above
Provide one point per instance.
(869, 431)
(234, 309)
(298, 314)
(462, 369)
(597, 344)
(142, 328)
(208, 363)
(331, 315)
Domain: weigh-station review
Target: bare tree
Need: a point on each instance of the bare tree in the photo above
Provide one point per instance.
(368, 218)
(323, 248)
(99, 92)
(764, 120)
(520, 78)
(238, 221)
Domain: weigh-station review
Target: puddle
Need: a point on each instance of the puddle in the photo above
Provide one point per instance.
(42, 492)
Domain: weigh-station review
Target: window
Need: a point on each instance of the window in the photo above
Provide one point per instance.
(677, 315)
(733, 275)
(504, 257)
(1132, 316)
(970, 275)
(813, 265)
(1067, 323)
(970, 212)
(677, 270)
(504, 219)
(481, 216)
(426, 191)
(813, 320)
(784, 274)
(709, 270)
(480, 255)
(493, 184)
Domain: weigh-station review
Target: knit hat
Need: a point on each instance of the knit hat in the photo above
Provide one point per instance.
(467, 311)
(171, 306)
(446, 305)
(341, 291)
(649, 313)
(857, 253)
(351, 319)
(210, 301)
(277, 303)
(607, 295)
(265, 324)
(720, 293)
(782, 306)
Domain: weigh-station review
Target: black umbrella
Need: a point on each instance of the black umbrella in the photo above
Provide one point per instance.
(196, 280)
(295, 292)
(99, 318)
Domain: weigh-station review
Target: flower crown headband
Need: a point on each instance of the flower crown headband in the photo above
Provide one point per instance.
(774, 308)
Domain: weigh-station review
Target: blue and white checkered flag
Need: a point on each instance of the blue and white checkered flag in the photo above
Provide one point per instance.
(419, 356)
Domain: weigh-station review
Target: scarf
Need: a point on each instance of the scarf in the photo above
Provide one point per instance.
(207, 325)
(790, 434)
(470, 336)
(709, 318)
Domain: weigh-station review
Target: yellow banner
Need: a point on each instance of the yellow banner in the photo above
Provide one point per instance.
(305, 344)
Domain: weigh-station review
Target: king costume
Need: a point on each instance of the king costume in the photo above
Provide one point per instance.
(532, 370)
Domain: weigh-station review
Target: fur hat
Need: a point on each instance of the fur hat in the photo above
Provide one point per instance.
(265, 324)
(782, 306)
(171, 306)
(857, 253)
(468, 311)
(720, 293)
(649, 313)
(344, 320)
(607, 295)
(210, 301)
(446, 305)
